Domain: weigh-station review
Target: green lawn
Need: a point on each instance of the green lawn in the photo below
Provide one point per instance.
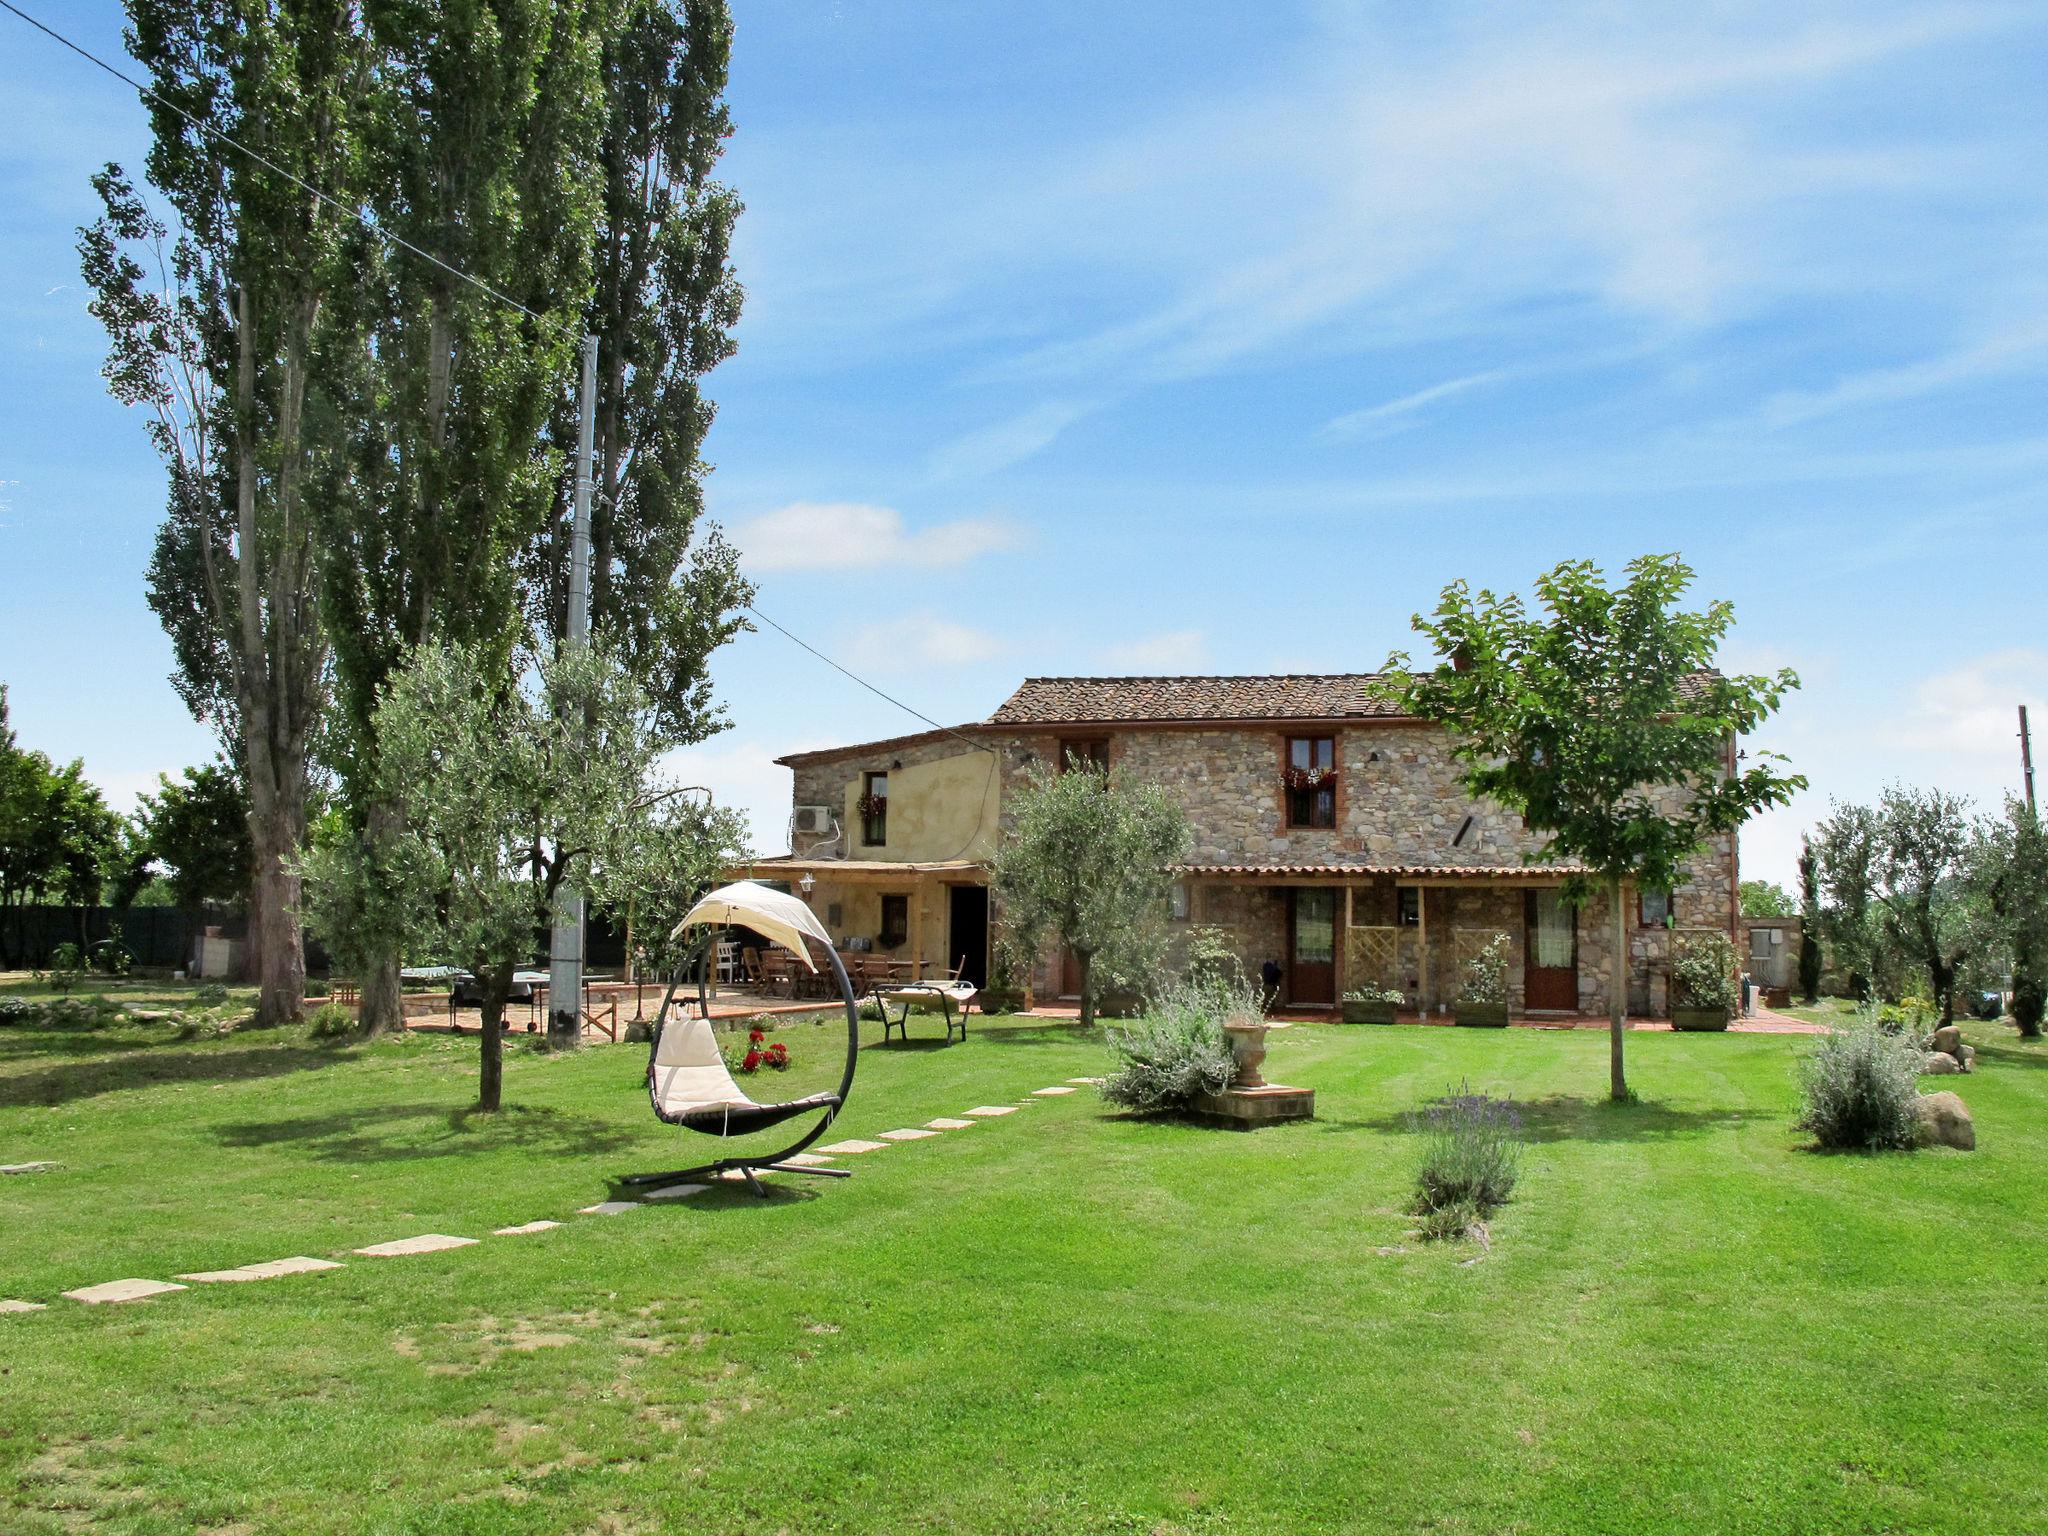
(1062, 1321)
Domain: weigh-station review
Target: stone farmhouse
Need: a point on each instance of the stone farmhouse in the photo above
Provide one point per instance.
(1331, 835)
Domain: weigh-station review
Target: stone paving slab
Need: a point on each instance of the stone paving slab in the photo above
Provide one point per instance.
(943, 1124)
(430, 1242)
(22, 1306)
(806, 1160)
(986, 1111)
(1086, 1082)
(677, 1191)
(122, 1290)
(526, 1227)
(848, 1148)
(270, 1269)
(609, 1208)
(26, 1167)
(912, 1133)
(1050, 1093)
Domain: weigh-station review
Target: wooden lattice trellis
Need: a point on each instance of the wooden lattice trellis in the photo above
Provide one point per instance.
(1372, 955)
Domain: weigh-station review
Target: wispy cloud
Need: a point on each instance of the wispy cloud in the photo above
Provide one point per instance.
(844, 535)
(1173, 650)
(1392, 414)
(994, 448)
(2014, 350)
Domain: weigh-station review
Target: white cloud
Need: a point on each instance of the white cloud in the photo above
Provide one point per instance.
(1392, 413)
(920, 640)
(1174, 650)
(994, 448)
(742, 775)
(845, 535)
(2013, 350)
(1969, 716)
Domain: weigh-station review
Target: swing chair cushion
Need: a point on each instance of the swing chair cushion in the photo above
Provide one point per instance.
(776, 915)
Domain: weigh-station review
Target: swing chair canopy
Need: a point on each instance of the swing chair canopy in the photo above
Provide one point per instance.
(776, 915)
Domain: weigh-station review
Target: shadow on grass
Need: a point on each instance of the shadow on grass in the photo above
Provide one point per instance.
(384, 1133)
(1573, 1118)
(149, 1069)
(2014, 1053)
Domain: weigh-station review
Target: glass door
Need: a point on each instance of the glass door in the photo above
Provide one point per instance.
(1312, 948)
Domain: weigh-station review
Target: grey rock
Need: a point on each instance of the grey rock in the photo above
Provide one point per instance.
(1967, 1055)
(1946, 1038)
(1938, 1062)
(1945, 1122)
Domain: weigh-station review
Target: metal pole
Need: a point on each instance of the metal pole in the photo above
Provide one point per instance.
(565, 959)
(2027, 757)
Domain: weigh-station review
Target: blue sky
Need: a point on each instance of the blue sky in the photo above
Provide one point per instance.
(1152, 338)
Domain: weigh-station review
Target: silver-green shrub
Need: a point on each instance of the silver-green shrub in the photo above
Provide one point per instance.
(1862, 1086)
(1471, 1153)
(1178, 1049)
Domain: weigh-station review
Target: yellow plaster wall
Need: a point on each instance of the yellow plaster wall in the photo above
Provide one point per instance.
(860, 915)
(938, 810)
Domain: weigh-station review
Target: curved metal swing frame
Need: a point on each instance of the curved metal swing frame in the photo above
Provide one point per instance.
(699, 954)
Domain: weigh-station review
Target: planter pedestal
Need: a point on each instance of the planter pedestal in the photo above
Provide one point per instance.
(1250, 1101)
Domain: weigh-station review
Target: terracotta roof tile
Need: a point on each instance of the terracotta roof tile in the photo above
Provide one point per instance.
(1399, 871)
(1328, 696)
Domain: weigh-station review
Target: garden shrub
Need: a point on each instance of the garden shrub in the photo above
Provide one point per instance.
(1178, 1050)
(211, 995)
(1703, 973)
(1369, 993)
(1484, 979)
(1448, 1223)
(111, 957)
(1471, 1153)
(330, 1020)
(16, 1010)
(1861, 1087)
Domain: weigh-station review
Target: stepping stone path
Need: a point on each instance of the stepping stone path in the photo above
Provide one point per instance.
(907, 1135)
(1086, 1082)
(989, 1111)
(848, 1148)
(431, 1242)
(1049, 1093)
(806, 1160)
(609, 1208)
(525, 1227)
(122, 1290)
(951, 1125)
(677, 1191)
(265, 1271)
(22, 1306)
(27, 1167)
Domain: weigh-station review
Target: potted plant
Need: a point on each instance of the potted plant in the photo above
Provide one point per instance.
(1704, 991)
(1371, 1005)
(1483, 993)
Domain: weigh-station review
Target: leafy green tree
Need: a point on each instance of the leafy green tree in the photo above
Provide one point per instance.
(1601, 720)
(1844, 850)
(1897, 876)
(217, 317)
(473, 759)
(663, 304)
(1086, 863)
(1766, 898)
(198, 827)
(57, 837)
(2009, 873)
(1809, 923)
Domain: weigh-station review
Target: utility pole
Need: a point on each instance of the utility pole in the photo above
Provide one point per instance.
(565, 957)
(2026, 757)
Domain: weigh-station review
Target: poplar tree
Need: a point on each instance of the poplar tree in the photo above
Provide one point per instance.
(216, 317)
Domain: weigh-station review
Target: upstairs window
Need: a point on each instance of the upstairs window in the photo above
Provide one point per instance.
(1091, 752)
(895, 922)
(1653, 908)
(874, 810)
(1308, 777)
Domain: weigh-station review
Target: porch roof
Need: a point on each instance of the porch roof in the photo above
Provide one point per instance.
(1519, 874)
(792, 867)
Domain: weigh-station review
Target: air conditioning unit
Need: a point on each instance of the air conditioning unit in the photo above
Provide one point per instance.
(814, 820)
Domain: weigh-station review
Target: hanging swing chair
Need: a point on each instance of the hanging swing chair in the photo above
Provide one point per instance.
(688, 1082)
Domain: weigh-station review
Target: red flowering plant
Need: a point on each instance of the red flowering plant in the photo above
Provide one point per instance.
(1307, 778)
(758, 1054)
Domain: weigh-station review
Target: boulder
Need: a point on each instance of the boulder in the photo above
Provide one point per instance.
(1938, 1062)
(1967, 1056)
(1945, 1122)
(1946, 1038)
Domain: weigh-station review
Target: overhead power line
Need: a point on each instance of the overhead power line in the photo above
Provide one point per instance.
(360, 215)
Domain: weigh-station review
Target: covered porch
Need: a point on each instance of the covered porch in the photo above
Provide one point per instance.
(898, 919)
(1335, 928)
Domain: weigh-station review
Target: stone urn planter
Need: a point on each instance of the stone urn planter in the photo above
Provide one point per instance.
(1247, 1039)
(1481, 1015)
(1699, 1019)
(1357, 1011)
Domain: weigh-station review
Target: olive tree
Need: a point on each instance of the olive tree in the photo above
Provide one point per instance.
(507, 782)
(1601, 719)
(1087, 862)
(2009, 872)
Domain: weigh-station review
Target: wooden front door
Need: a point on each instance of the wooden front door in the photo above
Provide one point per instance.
(1550, 949)
(1070, 973)
(1312, 948)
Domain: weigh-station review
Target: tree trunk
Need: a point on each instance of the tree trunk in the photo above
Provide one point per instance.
(1085, 959)
(278, 953)
(1617, 995)
(490, 1090)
